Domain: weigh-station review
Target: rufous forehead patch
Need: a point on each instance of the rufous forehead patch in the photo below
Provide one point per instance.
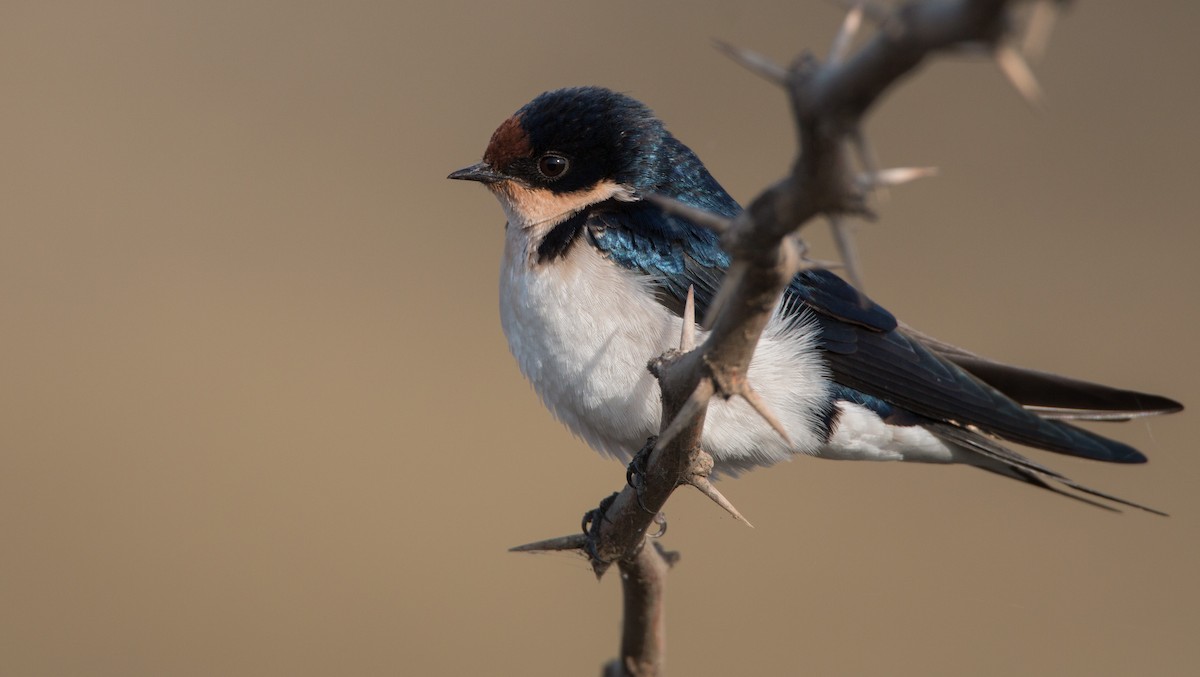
(509, 142)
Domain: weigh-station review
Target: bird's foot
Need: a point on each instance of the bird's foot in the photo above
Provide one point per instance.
(635, 472)
(591, 524)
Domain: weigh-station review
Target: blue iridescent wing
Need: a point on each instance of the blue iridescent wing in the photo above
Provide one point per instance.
(639, 236)
(864, 348)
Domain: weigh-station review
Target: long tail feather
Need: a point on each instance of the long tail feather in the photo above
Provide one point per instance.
(1009, 463)
(1051, 395)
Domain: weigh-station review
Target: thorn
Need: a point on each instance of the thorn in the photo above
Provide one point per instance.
(572, 542)
(760, 405)
(866, 158)
(755, 63)
(845, 245)
(895, 176)
(706, 487)
(687, 333)
(1016, 70)
(845, 35)
(701, 217)
(687, 413)
(1043, 16)
(671, 557)
(807, 263)
(821, 264)
(875, 12)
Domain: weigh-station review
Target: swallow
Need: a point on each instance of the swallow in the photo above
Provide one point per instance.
(592, 286)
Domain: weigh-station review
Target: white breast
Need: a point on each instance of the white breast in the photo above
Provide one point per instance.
(582, 330)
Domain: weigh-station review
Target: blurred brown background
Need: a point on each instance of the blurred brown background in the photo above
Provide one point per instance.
(258, 418)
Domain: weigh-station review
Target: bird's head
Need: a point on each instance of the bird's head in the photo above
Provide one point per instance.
(571, 148)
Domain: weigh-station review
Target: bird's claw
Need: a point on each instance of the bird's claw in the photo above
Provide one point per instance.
(661, 520)
(635, 472)
(591, 524)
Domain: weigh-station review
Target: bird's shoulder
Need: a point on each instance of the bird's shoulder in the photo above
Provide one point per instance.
(643, 238)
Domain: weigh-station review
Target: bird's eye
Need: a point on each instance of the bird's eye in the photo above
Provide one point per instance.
(553, 166)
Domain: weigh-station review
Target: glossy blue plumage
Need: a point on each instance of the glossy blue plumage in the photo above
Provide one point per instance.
(870, 359)
(594, 279)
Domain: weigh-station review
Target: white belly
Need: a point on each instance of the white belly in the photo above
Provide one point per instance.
(582, 331)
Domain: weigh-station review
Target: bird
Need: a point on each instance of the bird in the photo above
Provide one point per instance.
(593, 281)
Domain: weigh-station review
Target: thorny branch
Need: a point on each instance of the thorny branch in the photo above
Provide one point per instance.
(832, 176)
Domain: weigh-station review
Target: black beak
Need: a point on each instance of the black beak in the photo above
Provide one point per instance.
(480, 172)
